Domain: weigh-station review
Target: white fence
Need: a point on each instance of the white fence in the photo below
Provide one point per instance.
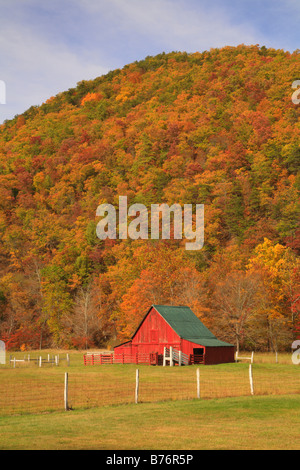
(39, 360)
(172, 355)
(247, 358)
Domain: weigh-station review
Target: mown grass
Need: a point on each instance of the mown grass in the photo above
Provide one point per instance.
(261, 423)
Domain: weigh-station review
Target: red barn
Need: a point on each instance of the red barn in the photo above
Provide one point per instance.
(179, 328)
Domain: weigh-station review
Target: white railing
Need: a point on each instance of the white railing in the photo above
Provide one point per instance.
(173, 355)
(237, 357)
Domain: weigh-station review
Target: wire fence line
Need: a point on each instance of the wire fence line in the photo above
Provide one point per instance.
(45, 391)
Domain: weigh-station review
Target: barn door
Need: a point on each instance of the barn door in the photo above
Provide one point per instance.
(198, 354)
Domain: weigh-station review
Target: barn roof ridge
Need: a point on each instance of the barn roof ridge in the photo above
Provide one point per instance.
(187, 325)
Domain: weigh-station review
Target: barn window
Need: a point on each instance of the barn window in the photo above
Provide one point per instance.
(154, 336)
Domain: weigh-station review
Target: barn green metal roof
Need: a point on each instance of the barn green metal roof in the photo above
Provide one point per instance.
(185, 323)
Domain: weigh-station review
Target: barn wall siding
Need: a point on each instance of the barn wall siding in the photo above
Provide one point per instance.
(154, 334)
(125, 348)
(219, 355)
(187, 347)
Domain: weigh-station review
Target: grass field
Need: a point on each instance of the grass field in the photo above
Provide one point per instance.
(233, 423)
(168, 415)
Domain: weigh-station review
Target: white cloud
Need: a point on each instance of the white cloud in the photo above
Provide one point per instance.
(34, 69)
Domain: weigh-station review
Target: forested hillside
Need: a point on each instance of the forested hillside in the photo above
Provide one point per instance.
(217, 128)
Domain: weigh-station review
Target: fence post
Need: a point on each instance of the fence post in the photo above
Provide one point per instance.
(251, 379)
(137, 383)
(180, 357)
(66, 392)
(171, 356)
(164, 359)
(40, 361)
(68, 360)
(198, 382)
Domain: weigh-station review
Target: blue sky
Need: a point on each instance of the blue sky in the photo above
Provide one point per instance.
(47, 46)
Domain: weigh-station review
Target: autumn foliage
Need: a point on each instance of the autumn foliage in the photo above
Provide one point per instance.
(216, 128)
